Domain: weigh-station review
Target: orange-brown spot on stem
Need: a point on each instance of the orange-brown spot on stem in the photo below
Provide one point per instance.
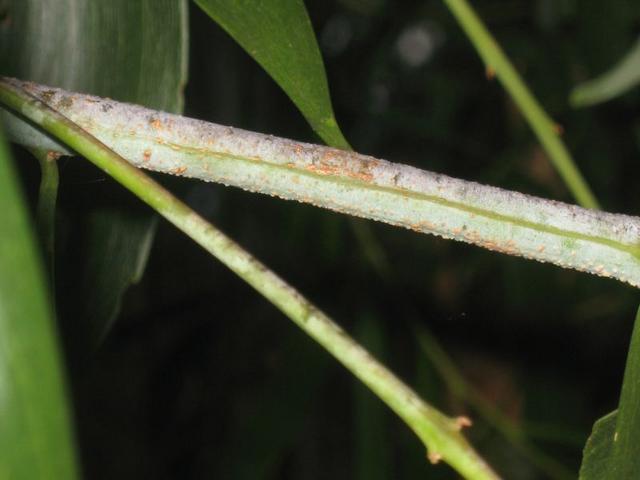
(463, 422)
(66, 101)
(490, 72)
(53, 156)
(339, 163)
(146, 155)
(434, 457)
(508, 248)
(335, 170)
(47, 95)
(179, 170)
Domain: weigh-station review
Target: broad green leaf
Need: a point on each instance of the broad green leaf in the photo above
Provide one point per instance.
(279, 36)
(129, 51)
(621, 78)
(35, 436)
(117, 234)
(597, 451)
(134, 51)
(613, 451)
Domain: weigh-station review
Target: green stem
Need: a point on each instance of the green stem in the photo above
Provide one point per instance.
(547, 131)
(572, 237)
(440, 434)
(47, 197)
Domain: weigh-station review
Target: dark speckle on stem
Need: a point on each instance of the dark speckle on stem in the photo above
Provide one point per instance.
(66, 101)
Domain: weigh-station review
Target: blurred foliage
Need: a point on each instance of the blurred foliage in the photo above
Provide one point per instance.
(143, 45)
(623, 76)
(612, 451)
(202, 378)
(598, 450)
(36, 430)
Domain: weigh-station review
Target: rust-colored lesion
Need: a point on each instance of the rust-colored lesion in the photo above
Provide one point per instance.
(66, 101)
(45, 95)
(558, 129)
(146, 155)
(53, 156)
(463, 422)
(434, 457)
(508, 247)
(178, 170)
(342, 164)
(490, 72)
(154, 122)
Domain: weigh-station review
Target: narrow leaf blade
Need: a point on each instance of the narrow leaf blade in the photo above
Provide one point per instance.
(35, 437)
(597, 451)
(620, 79)
(279, 36)
(613, 451)
(625, 460)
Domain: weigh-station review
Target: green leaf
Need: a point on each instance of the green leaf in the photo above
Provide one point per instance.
(597, 451)
(279, 36)
(134, 51)
(117, 234)
(129, 51)
(613, 451)
(621, 78)
(35, 437)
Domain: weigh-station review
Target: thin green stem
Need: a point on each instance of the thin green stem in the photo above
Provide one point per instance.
(440, 434)
(47, 198)
(547, 131)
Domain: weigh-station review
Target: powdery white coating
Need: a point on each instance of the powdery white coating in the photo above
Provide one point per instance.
(509, 222)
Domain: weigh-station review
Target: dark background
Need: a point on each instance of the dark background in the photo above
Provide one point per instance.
(201, 378)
